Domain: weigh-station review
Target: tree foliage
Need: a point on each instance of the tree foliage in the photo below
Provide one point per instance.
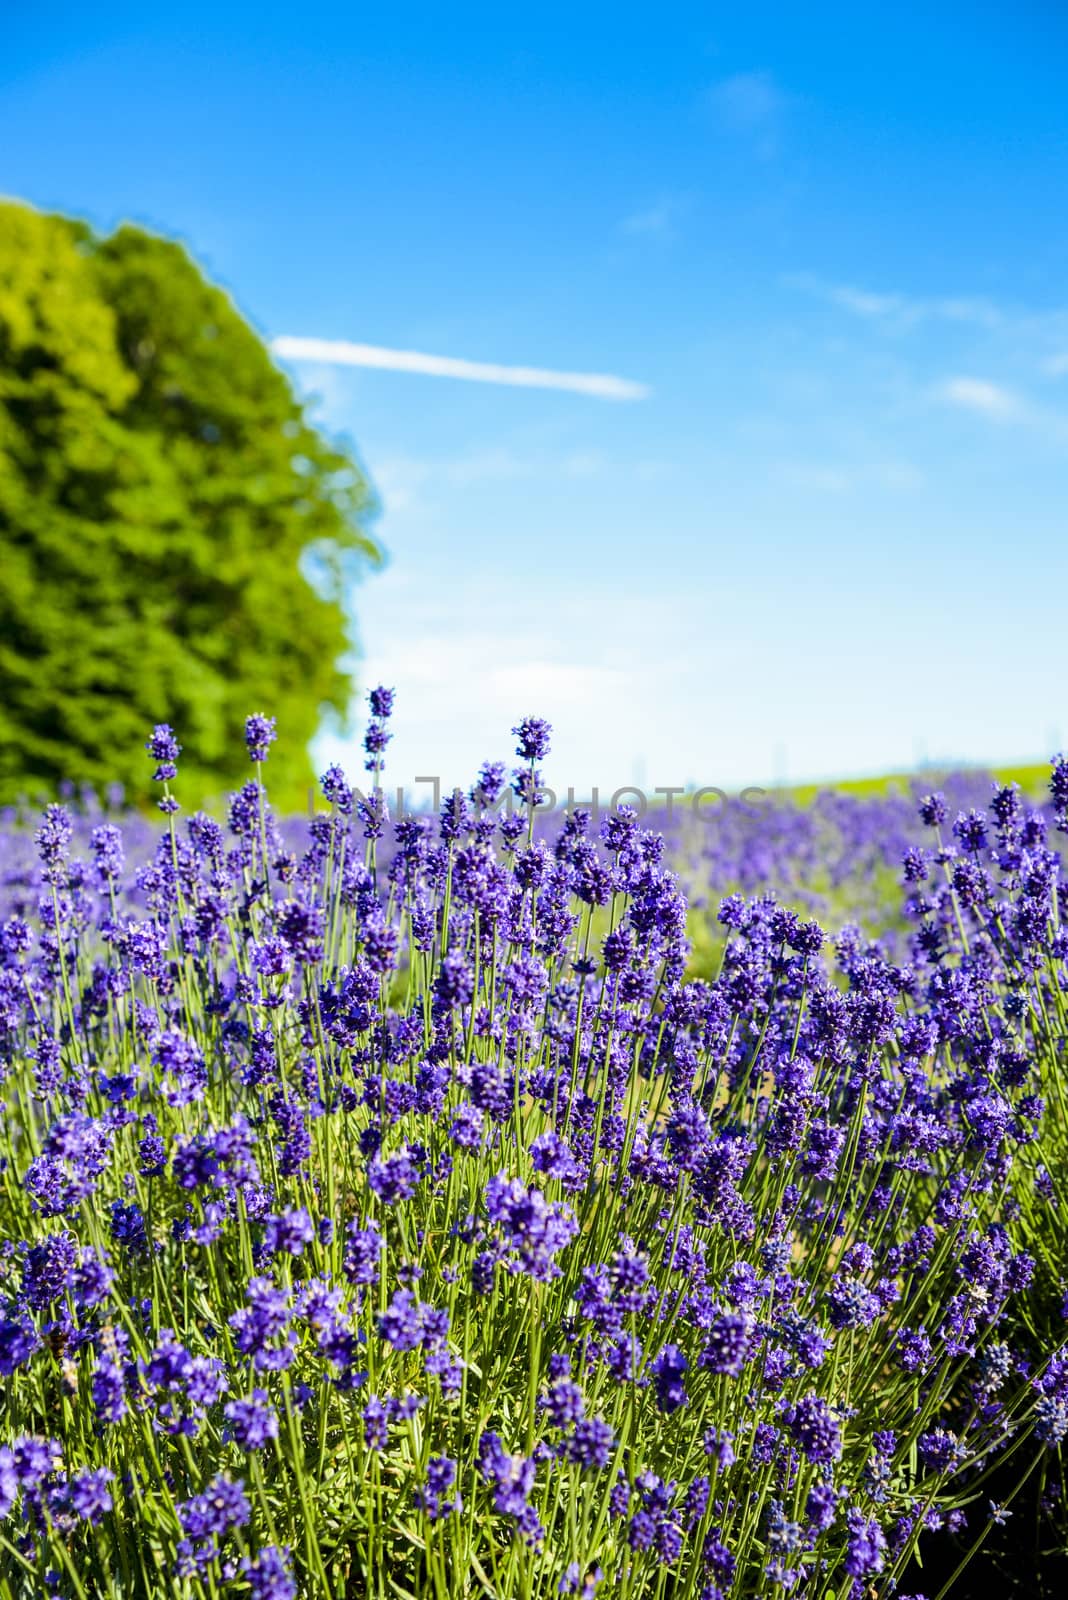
(175, 537)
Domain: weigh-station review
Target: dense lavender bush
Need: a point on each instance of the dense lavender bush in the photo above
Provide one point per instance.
(395, 1215)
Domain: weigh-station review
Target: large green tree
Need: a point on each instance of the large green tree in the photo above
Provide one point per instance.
(176, 539)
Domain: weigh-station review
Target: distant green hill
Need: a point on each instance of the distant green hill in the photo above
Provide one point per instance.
(1031, 778)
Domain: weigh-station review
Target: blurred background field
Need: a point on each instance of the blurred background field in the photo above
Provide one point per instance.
(833, 852)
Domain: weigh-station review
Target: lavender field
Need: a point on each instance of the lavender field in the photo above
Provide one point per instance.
(492, 1204)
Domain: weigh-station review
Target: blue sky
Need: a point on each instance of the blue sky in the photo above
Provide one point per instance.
(831, 539)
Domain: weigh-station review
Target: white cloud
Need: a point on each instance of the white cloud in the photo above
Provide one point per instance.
(863, 302)
(340, 352)
(898, 475)
(903, 310)
(557, 683)
(751, 104)
(991, 400)
(462, 690)
(855, 477)
(399, 480)
(810, 475)
(1016, 337)
(962, 308)
(486, 466)
(407, 483)
(658, 221)
(584, 464)
(1001, 405)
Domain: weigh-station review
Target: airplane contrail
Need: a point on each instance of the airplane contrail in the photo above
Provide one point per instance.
(339, 352)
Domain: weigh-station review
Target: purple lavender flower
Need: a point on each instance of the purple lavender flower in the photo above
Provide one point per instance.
(375, 1417)
(533, 735)
(48, 1270)
(563, 1404)
(590, 1444)
(552, 1155)
(668, 1369)
(466, 1127)
(1051, 1420)
(164, 749)
(268, 1575)
(408, 1323)
(9, 1482)
(35, 1459)
(440, 1477)
(970, 830)
(851, 1304)
(393, 1179)
(75, 1153)
(728, 1343)
(260, 734)
(933, 809)
(253, 1421)
(206, 1519)
(108, 855)
(455, 983)
(363, 1248)
(181, 1057)
(821, 1508)
(866, 1549)
(289, 1232)
(90, 1494)
(53, 839)
(401, 1322)
(381, 701)
(489, 785)
(109, 1379)
(641, 1530)
(301, 926)
(939, 1450)
(336, 790)
(688, 1134)
(531, 1227)
(18, 1341)
(262, 1329)
(512, 1481)
(814, 1429)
